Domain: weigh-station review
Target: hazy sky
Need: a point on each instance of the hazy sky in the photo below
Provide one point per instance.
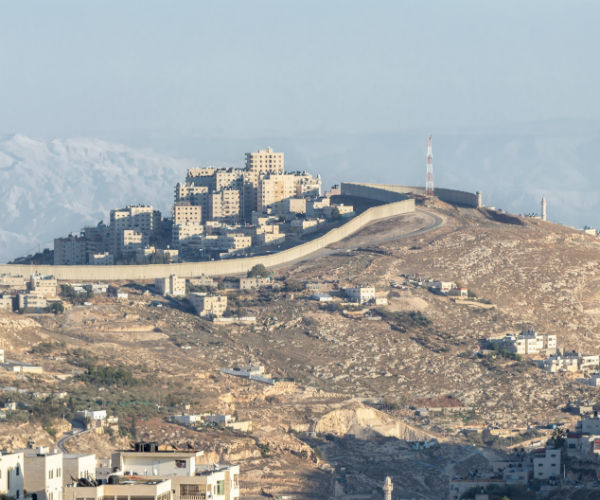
(134, 70)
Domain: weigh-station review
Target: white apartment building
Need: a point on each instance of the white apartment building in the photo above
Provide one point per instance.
(183, 233)
(6, 302)
(155, 463)
(361, 294)
(125, 489)
(255, 283)
(44, 473)
(13, 281)
(139, 222)
(46, 286)
(32, 301)
(531, 343)
(225, 205)
(304, 225)
(78, 466)
(208, 305)
(71, 250)
(12, 466)
(571, 362)
(546, 465)
(186, 213)
(102, 259)
(172, 285)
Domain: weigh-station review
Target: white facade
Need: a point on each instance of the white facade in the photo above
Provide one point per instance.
(172, 285)
(208, 305)
(6, 303)
(361, 294)
(531, 343)
(547, 465)
(78, 466)
(44, 474)
(158, 463)
(11, 474)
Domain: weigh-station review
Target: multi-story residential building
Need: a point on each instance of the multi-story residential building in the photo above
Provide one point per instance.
(172, 285)
(169, 254)
(186, 213)
(46, 286)
(32, 301)
(546, 463)
(531, 343)
(128, 487)
(222, 243)
(184, 233)
(259, 164)
(130, 241)
(71, 250)
(132, 227)
(571, 361)
(255, 283)
(78, 467)
(12, 466)
(208, 305)
(289, 206)
(101, 259)
(6, 302)
(361, 294)
(97, 239)
(225, 205)
(43, 472)
(13, 282)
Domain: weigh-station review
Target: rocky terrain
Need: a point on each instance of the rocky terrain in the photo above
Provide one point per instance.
(343, 419)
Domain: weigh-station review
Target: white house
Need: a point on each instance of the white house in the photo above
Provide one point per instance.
(11, 474)
(44, 473)
(361, 294)
(546, 464)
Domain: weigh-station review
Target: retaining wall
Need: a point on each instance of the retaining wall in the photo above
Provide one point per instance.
(217, 267)
(388, 193)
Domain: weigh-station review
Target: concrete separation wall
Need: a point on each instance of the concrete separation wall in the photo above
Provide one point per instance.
(387, 193)
(218, 267)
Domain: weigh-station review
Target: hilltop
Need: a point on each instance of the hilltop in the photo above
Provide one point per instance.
(354, 380)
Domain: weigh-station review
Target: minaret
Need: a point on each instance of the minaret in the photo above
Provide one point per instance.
(387, 488)
(543, 208)
(429, 179)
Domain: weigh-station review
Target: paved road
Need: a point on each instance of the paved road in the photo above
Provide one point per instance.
(75, 432)
(367, 237)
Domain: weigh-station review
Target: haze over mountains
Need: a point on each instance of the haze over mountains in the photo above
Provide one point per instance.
(51, 188)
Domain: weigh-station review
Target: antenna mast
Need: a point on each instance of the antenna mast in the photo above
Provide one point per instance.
(429, 180)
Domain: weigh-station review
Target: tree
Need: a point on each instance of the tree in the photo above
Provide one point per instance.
(56, 307)
(258, 271)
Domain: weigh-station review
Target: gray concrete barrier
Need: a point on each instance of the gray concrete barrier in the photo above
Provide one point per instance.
(387, 193)
(219, 267)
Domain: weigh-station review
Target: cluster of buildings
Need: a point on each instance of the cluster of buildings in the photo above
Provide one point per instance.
(528, 343)
(521, 468)
(570, 362)
(144, 472)
(216, 212)
(222, 420)
(33, 294)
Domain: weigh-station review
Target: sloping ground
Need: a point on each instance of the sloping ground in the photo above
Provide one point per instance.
(366, 423)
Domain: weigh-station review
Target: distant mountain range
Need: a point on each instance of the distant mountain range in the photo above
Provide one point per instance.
(51, 188)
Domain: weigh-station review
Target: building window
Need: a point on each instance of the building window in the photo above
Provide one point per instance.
(220, 488)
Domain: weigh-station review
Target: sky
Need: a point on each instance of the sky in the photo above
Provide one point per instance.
(203, 79)
(122, 70)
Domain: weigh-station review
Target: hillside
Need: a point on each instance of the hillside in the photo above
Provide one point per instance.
(354, 380)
